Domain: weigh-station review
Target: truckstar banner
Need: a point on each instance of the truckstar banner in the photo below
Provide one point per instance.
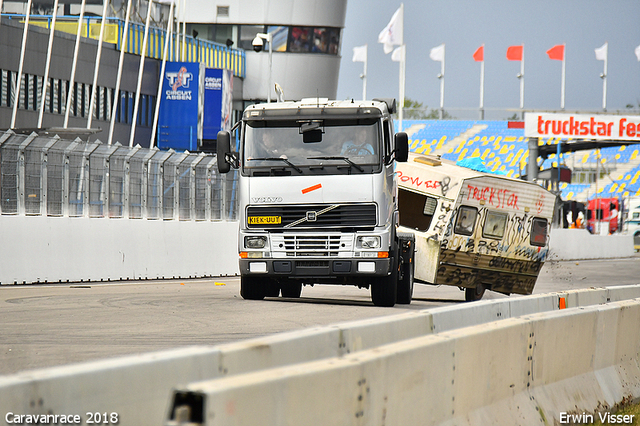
(582, 126)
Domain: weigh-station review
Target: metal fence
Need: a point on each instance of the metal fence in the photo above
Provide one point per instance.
(44, 175)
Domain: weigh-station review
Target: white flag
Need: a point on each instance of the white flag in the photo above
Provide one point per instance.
(638, 53)
(601, 52)
(392, 34)
(360, 53)
(398, 54)
(437, 53)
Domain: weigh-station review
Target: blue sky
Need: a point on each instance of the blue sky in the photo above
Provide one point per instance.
(583, 25)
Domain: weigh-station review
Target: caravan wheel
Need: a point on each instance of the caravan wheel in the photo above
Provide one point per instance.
(473, 294)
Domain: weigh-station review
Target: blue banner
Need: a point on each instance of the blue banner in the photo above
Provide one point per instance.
(218, 93)
(180, 115)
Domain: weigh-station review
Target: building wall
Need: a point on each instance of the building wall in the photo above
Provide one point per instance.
(329, 13)
(60, 68)
(299, 74)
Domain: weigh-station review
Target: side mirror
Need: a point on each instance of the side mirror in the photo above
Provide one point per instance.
(222, 150)
(402, 147)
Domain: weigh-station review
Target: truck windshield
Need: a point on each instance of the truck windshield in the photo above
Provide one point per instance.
(341, 144)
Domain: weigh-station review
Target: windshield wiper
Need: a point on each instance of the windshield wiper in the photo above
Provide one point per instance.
(296, 168)
(351, 163)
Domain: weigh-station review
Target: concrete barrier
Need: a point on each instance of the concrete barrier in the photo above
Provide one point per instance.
(578, 244)
(63, 249)
(528, 370)
(138, 388)
(69, 249)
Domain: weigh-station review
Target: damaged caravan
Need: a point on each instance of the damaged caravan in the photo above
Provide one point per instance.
(474, 230)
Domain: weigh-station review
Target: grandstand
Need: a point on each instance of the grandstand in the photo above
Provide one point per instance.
(505, 151)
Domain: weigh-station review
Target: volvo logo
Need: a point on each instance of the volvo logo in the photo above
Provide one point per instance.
(258, 200)
(312, 216)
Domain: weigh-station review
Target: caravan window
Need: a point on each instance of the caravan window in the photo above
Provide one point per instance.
(539, 232)
(466, 220)
(416, 210)
(494, 225)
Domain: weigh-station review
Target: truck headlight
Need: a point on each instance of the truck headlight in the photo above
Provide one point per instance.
(368, 242)
(255, 242)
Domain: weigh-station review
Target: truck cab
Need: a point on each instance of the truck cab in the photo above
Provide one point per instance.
(318, 199)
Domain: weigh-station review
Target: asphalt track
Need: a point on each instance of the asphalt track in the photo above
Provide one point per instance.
(49, 325)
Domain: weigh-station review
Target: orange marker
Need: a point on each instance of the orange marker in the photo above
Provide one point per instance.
(312, 188)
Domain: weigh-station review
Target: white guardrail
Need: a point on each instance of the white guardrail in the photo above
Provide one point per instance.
(520, 360)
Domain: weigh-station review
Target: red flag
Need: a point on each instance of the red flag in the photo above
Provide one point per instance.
(514, 53)
(556, 52)
(478, 55)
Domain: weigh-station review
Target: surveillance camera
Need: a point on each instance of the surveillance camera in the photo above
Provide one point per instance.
(257, 44)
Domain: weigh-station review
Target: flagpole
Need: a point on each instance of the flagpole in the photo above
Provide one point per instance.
(402, 60)
(18, 85)
(441, 77)
(563, 77)
(364, 74)
(94, 88)
(71, 94)
(482, 86)
(116, 90)
(402, 81)
(165, 53)
(47, 67)
(521, 77)
(143, 55)
(604, 81)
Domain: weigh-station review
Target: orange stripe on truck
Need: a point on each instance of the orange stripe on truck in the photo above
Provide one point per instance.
(312, 188)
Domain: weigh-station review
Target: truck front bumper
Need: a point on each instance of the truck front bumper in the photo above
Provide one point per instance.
(316, 268)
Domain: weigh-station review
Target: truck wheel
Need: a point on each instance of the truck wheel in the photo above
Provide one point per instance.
(291, 289)
(473, 294)
(405, 285)
(252, 288)
(384, 290)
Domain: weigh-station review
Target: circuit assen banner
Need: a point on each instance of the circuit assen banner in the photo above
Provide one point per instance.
(582, 126)
(218, 94)
(180, 115)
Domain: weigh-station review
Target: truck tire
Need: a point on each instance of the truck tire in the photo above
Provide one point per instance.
(384, 290)
(405, 285)
(252, 288)
(291, 289)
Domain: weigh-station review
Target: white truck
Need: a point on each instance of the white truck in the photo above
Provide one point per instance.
(318, 199)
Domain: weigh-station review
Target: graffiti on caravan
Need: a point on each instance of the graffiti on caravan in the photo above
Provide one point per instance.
(496, 197)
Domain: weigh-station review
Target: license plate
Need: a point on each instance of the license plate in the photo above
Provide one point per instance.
(265, 220)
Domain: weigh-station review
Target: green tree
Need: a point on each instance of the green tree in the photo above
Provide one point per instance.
(414, 110)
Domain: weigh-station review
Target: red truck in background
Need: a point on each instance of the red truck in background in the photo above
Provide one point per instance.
(603, 215)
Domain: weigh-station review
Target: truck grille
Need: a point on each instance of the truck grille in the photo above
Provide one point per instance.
(313, 216)
(311, 245)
